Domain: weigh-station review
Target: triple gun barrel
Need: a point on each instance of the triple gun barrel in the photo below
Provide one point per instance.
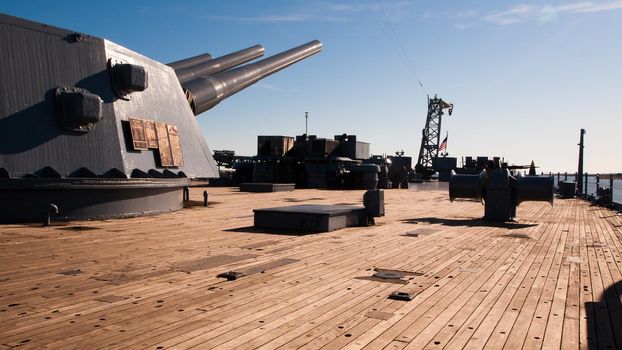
(206, 81)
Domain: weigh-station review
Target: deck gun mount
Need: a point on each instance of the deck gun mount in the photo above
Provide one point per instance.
(90, 129)
(500, 191)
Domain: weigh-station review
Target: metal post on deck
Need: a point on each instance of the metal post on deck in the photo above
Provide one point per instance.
(558, 177)
(186, 192)
(565, 176)
(597, 181)
(579, 180)
(611, 187)
(585, 188)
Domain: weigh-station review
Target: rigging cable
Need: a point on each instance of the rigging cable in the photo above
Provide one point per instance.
(399, 48)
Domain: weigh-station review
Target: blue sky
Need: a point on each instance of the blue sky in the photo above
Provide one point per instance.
(524, 76)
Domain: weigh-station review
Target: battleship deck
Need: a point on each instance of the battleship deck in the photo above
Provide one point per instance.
(551, 279)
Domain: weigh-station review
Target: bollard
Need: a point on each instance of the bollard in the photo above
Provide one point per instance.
(205, 199)
(186, 194)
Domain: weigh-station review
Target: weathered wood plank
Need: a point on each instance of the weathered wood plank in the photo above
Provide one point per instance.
(546, 281)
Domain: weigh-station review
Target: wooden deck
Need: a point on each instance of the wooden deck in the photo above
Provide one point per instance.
(553, 279)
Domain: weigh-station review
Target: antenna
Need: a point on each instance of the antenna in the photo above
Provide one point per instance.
(307, 124)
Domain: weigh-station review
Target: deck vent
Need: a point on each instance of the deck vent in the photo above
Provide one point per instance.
(403, 296)
(231, 275)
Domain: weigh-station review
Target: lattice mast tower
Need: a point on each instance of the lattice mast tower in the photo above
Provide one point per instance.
(431, 136)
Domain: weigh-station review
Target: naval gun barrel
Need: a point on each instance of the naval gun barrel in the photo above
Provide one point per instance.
(219, 64)
(206, 91)
(190, 61)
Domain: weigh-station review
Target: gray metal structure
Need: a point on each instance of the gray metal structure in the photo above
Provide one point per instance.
(500, 191)
(321, 217)
(206, 91)
(580, 166)
(431, 134)
(80, 113)
(206, 67)
(444, 166)
(307, 161)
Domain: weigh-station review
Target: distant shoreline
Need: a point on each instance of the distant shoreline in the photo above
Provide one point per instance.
(616, 176)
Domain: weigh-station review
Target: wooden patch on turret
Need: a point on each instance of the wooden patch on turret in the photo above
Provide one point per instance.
(150, 134)
(164, 146)
(175, 144)
(139, 141)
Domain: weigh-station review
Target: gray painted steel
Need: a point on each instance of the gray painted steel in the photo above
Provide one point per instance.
(567, 189)
(190, 61)
(535, 188)
(218, 64)
(207, 91)
(36, 59)
(322, 218)
(444, 166)
(29, 200)
(65, 108)
(163, 101)
(466, 186)
(373, 200)
(501, 191)
(311, 217)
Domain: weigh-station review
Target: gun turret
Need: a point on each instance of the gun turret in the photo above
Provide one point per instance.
(96, 130)
(207, 91)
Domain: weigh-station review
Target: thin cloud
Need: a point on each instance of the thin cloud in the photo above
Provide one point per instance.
(616, 5)
(513, 15)
(465, 14)
(344, 8)
(278, 18)
(320, 12)
(271, 87)
(522, 13)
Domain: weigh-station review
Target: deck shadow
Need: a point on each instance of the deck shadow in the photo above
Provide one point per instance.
(604, 318)
(468, 223)
(275, 231)
(298, 200)
(201, 204)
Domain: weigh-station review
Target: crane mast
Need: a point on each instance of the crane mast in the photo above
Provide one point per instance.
(431, 134)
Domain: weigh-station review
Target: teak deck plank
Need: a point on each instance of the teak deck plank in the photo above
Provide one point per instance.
(552, 279)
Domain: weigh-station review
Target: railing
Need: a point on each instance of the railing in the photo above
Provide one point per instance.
(591, 183)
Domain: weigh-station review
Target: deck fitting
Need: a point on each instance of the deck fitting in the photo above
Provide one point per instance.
(388, 274)
(403, 296)
(231, 275)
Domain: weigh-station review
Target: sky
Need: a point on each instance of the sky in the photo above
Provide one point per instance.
(524, 76)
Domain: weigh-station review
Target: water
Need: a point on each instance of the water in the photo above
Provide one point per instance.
(591, 185)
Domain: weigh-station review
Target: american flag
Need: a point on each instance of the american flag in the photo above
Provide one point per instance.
(443, 145)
